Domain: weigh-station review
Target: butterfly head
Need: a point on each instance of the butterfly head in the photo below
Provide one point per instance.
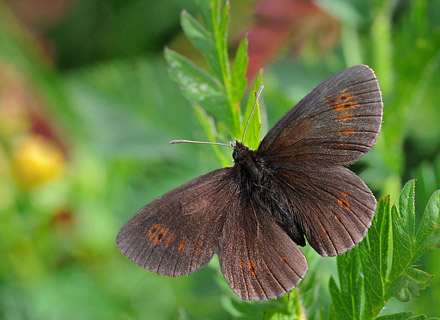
(241, 152)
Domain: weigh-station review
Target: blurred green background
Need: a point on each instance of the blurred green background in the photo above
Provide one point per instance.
(87, 109)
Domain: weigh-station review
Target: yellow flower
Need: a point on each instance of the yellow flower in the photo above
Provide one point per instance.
(36, 161)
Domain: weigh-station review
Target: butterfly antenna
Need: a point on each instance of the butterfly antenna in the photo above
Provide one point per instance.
(253, 108)
(200, 142)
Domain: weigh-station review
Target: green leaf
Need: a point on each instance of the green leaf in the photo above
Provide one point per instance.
(347, 299)
(290, 310)
(403, 230)
(205, 9)
(374, 252)
(202, 40)
(209, 128)
(252, 136)
(199, 87)
(396, 316)
(410, 246)
(387, 255)
(239, 67)
(428, 233)
(410, 284)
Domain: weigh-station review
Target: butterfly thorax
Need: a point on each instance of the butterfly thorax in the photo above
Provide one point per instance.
(248, 166)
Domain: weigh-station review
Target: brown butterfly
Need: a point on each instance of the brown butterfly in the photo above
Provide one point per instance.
(256, 213)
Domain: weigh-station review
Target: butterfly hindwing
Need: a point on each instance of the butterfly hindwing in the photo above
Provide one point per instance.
(257, 258)
(338, 122)
(332, 204)
(178, 233)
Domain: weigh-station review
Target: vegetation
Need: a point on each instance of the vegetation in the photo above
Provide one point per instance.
(84, 145)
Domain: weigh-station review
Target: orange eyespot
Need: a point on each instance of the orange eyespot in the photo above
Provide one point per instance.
(252, 268)
(152, 232)
(344, 204)
(160, 236)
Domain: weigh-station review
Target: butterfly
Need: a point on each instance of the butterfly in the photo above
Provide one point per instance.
(255, 214)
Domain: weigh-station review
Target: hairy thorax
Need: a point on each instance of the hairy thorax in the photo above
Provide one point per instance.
(257, 181)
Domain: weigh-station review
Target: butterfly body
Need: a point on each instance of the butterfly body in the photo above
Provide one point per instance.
(255, 214)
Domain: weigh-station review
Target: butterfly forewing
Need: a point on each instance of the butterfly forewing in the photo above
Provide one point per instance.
(178, 233)
(257, 258)
(338, 122)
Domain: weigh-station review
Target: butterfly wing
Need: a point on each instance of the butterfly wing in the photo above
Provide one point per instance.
(257, 258)
(332, 205)
(179, 232)
(337, 122)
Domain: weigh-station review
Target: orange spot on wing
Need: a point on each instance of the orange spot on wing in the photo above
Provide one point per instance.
(325, 230)
(337, 217)
(242, 265)
(346, 117)
(252, 268)
(183, 244)
(343, 102)
(344, 193)
(170, 239)
(160, 236)
(344, 204)
(152, 232)
(266, 266)
(346, 106)
(283, 259)
(347, 132)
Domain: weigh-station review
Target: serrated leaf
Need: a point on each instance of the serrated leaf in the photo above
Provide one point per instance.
(197, 86)
(428, 233)
(202, 40)
(403, 230)
(406, 280)
(410, 284)
(239, 67)
(374, 253)
(252, 135)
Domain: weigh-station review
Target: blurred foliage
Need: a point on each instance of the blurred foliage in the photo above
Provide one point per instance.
(87, 108)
